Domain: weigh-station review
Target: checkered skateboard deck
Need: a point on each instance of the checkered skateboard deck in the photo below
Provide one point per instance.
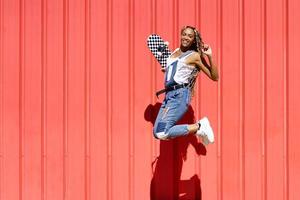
(159, 48)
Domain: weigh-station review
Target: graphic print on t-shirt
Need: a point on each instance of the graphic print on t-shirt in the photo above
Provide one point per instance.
(170, 73)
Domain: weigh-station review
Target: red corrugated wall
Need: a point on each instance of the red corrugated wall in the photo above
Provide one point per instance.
(77, 101)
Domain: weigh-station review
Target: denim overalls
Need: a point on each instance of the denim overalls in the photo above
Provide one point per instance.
(173, 107)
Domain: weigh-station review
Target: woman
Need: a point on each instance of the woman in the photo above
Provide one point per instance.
(181, 72)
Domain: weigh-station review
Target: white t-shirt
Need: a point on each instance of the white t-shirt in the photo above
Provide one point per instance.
(177, 71)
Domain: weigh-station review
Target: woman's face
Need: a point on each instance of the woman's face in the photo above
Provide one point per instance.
(187, 37)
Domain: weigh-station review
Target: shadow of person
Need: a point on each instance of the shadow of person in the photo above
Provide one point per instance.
(166, 183)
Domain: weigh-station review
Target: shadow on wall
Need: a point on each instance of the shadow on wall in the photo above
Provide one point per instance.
(167, 167)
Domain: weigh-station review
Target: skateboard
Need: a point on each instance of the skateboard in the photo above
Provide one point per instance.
(159, 49)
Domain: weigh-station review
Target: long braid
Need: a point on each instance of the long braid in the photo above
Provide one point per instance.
(196, 46)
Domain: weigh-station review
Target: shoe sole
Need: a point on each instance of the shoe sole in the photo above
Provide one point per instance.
(205, 140)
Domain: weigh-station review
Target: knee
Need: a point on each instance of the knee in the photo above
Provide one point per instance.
(160, 131)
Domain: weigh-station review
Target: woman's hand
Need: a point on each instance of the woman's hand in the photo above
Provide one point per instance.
(206, 50)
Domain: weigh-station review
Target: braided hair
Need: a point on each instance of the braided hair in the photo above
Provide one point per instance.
(196, 46)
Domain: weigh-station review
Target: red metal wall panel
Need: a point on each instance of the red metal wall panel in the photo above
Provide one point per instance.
(77, 101)
(10, 115)
(293, 83)
(253, 52)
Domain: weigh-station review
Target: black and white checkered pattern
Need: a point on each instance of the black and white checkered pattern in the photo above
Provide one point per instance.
(159, 49)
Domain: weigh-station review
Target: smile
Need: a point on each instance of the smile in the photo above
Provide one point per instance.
(186, 41)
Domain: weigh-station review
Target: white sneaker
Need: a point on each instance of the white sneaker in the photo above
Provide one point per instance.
(205, 131)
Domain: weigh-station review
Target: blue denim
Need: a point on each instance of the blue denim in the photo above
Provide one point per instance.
(173, 107)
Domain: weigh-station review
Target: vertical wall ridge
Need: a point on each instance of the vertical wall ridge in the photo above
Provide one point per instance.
(155, 70)
(264, 98)
(21, 98)
(1, 97)
(87, 87)
(175, 21)
(131, 97)
(197, 18)
(65, 94)
(152, 99)
(220, 99)
(153, 80)
(174, 146)
(109, 97)
(286, 95)
(242, 98)
(43, 99)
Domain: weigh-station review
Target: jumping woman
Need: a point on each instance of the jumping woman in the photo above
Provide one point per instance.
(181, 72)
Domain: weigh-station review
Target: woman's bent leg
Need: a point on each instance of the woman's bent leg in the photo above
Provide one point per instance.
(174, 107)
